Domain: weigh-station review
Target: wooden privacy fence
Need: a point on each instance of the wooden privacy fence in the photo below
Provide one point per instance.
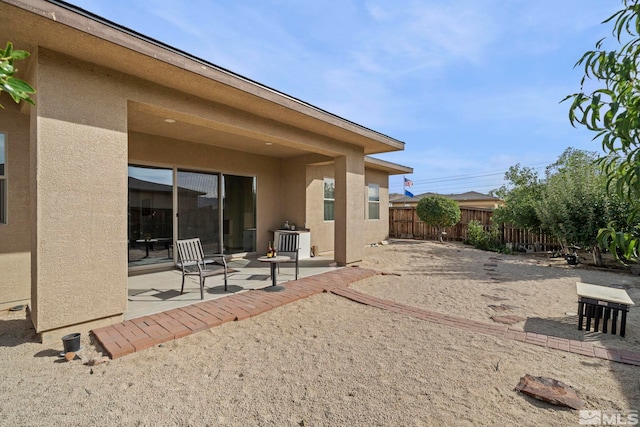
(404, 223)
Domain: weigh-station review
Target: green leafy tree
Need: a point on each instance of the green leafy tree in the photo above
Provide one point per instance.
(521, 194)
(438, 211)
(613, 113)
(18, 89)
(575, 203)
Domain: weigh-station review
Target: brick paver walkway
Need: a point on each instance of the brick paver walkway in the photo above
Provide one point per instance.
(140, 333)
(143, 332)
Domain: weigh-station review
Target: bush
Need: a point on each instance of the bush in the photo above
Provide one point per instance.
(476, 236)
(480, 238)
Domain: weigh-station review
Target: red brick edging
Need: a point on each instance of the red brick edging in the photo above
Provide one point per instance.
(137, 334)
(144, 332)
(502, 331)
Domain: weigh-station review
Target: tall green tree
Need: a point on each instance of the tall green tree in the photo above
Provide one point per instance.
(18, 89)
(576, 203)
(521, 194)
(613, 113)
(438, 211)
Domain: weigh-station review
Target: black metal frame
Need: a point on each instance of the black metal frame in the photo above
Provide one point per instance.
(605, 310)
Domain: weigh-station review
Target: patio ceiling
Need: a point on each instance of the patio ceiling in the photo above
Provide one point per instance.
(151, 120)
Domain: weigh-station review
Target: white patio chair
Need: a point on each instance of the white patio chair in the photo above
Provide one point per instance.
(192, 262)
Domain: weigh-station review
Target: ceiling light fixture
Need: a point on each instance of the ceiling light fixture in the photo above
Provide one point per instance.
(268, 143)
(169, 121)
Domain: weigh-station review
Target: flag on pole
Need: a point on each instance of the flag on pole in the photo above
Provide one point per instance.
(407, 182)
(408, 193)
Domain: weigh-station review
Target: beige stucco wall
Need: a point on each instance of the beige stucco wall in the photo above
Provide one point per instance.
(349, 224)
(79, 177)
(15, 235)
(294, 192)
(322, 232)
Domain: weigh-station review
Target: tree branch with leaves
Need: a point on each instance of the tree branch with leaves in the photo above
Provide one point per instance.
(18, 89)
(521, 194)
(613, 113)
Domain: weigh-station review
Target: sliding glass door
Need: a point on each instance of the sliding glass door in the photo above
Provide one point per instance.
(199, 210)
(195, 203)
(239, 201)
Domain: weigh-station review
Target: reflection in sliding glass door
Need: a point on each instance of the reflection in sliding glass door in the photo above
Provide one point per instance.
(198, 209)
(150, 216)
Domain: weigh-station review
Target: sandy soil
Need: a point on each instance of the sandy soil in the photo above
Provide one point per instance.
(327, 361)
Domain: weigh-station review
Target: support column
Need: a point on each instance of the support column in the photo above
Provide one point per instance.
(349, 208)
(79, 207)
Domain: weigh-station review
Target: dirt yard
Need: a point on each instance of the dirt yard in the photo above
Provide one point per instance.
(328, 361)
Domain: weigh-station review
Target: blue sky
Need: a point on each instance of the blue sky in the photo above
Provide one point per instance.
(471, 86)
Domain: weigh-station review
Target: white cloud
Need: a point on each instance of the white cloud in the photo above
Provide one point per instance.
(444, 76)
(417, 34)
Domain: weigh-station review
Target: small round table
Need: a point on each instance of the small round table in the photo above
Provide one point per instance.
(274, 261)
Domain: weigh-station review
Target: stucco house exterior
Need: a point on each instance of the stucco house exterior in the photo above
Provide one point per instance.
(133, 144)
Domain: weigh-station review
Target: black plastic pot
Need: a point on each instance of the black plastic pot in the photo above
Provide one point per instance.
(71, 343)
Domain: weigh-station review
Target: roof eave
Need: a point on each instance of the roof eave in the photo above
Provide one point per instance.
(389, 167)
(250, 93)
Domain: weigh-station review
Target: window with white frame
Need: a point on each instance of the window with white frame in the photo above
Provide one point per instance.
(3, 179)
(329, 199)
(373, 201)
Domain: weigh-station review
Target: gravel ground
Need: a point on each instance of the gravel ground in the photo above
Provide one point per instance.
(328, 361)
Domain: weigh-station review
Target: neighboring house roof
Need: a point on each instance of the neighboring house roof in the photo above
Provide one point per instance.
(155, 187)
(396, 197)
(468, 196)
(152, 187)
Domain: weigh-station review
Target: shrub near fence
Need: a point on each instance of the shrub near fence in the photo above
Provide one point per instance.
(404, 223)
